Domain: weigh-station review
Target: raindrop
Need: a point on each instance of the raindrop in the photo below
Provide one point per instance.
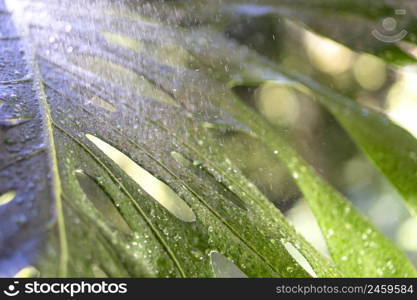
(223, 267)
(7, 197)
(299, 258)
(197, 254)
(330, 233)
(160, 191)
(68, 28)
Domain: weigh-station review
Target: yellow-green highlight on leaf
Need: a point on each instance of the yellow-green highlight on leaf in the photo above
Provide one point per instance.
(131, 15)
(27, 272)
(122, 40)
(124, 77)
(168, 53)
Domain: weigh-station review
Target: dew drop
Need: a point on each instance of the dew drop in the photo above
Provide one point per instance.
(330, 233)
(197, 254)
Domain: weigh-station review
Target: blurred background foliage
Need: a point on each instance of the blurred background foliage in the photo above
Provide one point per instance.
(370, 79)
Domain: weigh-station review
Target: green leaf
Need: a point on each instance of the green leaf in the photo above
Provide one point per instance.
(105, 114)
(391, 148)
(398, 164)
(357, 248)
(128, 175)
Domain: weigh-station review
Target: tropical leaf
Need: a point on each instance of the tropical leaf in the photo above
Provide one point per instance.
(117, 114)
(120, 131)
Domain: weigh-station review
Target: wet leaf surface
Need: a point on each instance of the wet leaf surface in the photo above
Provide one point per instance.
(145, 108)
(120, 107)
